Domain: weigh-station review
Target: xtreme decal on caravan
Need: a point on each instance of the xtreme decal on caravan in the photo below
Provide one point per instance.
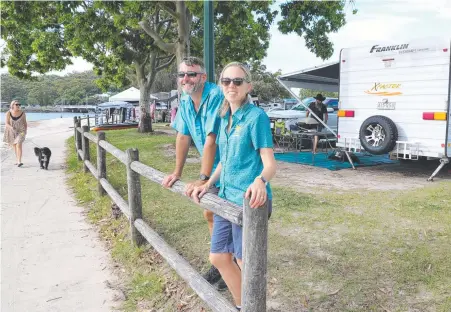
(393, 98)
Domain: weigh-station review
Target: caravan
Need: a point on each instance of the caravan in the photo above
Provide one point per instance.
(396, 99)
(393, 98)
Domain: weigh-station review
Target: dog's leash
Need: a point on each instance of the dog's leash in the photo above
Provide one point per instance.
(33, 143)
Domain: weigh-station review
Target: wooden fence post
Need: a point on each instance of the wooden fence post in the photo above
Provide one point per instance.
(134, 196)
(101, 163)
(75, 132)
(85, 147)
(255, 250)
(78, 138)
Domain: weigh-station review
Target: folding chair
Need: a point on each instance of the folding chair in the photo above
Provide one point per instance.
(282, 138)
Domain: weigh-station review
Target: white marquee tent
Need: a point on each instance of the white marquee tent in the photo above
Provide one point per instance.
(129, 95)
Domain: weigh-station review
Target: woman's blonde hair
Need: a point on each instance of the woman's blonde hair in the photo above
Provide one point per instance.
(247, 78)
(12, 103)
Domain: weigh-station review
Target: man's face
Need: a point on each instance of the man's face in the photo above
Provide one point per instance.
(318, 101)
(188, 84)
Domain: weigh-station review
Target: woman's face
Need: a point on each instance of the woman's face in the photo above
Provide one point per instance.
(15, 106)
(233, 93)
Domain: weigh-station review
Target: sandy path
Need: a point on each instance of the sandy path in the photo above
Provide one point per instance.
(51, 258)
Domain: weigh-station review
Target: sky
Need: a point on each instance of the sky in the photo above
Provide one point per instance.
(376, 22)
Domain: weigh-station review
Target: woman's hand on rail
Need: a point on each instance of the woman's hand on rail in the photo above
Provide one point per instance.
(189, 188)
(200, 191)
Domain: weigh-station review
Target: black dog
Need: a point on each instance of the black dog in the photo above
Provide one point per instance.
(43, 156)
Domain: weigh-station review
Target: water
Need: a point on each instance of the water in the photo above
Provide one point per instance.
(33, 116)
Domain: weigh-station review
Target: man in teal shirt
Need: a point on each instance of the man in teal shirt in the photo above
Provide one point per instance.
(198, 120)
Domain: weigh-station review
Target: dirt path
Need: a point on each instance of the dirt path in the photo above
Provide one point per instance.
(400, 176)
(52, 260)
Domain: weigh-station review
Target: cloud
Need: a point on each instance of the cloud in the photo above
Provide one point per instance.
(435, 8)
(377, 22)
(288, 52)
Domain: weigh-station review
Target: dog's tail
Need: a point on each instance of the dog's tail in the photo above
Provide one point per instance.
(36, 151)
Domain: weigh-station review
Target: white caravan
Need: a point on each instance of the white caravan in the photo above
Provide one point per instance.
(396, 99)
(393, 98)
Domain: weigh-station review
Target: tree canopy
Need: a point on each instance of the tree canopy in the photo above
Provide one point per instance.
(75, 88)
(43, 36)
(147, 36)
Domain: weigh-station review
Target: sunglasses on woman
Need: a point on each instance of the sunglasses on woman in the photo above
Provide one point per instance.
(190, 74)
(17, 104)
(236, 81)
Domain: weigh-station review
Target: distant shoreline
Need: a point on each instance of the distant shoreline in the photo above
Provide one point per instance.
(39, 110)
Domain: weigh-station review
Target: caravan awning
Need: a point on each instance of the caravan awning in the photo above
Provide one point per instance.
(321, 78)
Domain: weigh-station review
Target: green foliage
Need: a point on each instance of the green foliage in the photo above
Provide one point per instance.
(266, 86)
(313, 20)
(75, 88)
(240, 27)
(42, 36)
(144, 37)
(304, 93)
(35, 41)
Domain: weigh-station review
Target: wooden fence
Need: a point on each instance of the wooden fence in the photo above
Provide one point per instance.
(254, 222)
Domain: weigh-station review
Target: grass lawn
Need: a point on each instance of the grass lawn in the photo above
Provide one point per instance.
(384, 251)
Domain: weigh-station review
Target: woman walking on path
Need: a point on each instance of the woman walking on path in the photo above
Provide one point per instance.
(15, 130)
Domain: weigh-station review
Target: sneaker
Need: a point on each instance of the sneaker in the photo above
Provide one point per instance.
(221, 285)
(212, 275)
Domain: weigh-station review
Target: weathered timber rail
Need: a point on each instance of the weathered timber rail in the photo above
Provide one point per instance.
(254, 222)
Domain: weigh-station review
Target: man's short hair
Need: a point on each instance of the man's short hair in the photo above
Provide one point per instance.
(192, 60)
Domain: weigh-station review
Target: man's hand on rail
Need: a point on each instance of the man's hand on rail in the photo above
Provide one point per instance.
(189, 188)
(169, 180)
(199, 191)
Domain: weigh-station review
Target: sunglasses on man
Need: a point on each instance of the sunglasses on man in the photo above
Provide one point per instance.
(190, 74)
(236, 81)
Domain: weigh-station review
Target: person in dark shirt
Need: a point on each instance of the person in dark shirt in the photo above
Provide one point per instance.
(320, 110)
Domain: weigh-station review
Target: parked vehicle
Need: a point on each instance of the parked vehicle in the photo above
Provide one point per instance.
(274, 109)
(396, 99)
(289, 103)
(298, 113)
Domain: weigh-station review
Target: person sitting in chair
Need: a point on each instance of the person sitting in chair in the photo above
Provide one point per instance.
(320, 110)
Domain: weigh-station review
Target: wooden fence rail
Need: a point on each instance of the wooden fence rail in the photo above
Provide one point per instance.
(254, 222)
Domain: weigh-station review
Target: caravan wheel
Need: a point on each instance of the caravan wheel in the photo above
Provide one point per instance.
(378, 135)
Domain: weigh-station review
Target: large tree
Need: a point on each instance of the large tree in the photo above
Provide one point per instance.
(266, 86)
(148, 36)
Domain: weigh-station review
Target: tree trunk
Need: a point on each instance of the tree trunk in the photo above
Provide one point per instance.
(145, 121)
(184, 30)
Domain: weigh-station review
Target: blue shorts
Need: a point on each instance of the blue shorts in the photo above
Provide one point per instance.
(227, 237)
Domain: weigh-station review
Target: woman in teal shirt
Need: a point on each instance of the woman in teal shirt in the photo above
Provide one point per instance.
(246, 165)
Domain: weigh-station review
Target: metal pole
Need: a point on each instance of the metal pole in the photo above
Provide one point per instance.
(209, 42)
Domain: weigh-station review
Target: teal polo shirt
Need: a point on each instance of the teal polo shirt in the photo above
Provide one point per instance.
(240, 151)
(206, 120)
